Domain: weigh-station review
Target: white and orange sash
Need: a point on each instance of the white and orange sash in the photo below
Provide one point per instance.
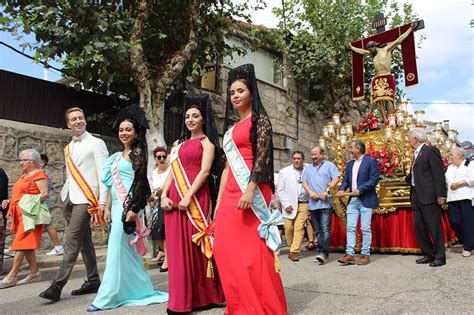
(203, 237)
(93, 208)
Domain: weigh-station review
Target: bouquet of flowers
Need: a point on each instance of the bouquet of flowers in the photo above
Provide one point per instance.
(385, 158)
(370, 122)
(446, 162)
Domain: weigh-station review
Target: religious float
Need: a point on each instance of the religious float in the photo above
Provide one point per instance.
(386, 137)
(386, 141)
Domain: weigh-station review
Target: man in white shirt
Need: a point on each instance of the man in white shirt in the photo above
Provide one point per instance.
(294, 201)
(460, 184)
(88, 154)
(361, 178)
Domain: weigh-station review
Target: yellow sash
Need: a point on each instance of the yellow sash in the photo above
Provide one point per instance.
(93, 208)
(195, 214)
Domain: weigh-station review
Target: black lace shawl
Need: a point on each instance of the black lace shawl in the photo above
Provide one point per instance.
(261, 134)
(139, 192)
(203, 102)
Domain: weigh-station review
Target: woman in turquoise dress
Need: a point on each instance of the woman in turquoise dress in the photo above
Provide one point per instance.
(125, 281)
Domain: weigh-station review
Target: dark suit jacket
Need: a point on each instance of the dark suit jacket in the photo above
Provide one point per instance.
(430, 182)
(367, 180)
(3, 189)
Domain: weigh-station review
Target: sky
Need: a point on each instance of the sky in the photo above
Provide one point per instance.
(445, 61)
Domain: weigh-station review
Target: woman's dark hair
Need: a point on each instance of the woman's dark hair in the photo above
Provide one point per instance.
(45, 159)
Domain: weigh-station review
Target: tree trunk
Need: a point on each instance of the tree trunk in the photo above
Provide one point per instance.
(157, 119)
(153, 90)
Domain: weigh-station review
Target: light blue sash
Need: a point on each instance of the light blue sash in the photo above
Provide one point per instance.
(267, 229)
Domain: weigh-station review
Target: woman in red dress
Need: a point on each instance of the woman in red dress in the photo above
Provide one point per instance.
(33, 181)
(189, 287)
(246, 265)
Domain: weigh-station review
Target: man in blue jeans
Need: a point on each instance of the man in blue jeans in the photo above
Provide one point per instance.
(316, 179)
(362, 176)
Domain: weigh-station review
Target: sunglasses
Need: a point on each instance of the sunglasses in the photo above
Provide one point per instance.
(160, 157)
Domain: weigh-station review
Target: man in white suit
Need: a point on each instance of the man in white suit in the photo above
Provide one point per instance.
(87, 155)
(294, 201)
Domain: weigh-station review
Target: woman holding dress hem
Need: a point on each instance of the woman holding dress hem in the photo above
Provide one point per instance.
(125, 281)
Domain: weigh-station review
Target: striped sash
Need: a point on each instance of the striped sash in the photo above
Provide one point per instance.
(203, 237)
(93, 208)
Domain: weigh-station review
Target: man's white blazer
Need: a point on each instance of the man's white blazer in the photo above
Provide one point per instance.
(89, 160)
(287, 191)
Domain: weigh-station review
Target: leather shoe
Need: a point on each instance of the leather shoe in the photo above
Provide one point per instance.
(86, 288)
(53, 293)
(438, 262)
(294, 256)
(347, 260)
(425, 260)
(364, 260)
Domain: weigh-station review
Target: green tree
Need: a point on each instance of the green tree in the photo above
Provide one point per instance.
(140, 49)
(316, 38)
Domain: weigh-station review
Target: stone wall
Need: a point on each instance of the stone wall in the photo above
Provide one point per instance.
(17, 136)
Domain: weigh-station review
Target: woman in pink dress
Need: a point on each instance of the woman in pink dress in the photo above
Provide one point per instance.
(246, 265)
(190, 288)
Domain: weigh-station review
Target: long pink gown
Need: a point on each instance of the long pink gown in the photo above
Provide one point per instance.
(246, 265)
(188, 285)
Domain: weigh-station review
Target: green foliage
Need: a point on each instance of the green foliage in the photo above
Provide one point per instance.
(316, 35)
(92, 39)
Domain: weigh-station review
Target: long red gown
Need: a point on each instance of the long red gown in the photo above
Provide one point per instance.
(188, 285)
(246, 265)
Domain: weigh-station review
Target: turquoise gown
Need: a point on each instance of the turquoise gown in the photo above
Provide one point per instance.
(125, 281)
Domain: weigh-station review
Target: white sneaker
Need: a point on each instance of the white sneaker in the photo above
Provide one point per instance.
(56, 251)
(8, 253)
(321, 259)
(466, 253)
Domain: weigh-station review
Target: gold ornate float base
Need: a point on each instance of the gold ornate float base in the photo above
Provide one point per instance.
(393, 195)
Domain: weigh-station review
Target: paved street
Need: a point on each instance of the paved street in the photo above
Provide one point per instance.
(391, 284)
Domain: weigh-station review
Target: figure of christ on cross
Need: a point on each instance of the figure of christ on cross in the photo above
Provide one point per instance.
(383, 84)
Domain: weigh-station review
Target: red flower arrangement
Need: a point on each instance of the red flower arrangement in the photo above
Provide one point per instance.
(446, 162)
(385, 158)
(370, 122)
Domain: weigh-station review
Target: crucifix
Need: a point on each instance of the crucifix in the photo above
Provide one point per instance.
(380, 47)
